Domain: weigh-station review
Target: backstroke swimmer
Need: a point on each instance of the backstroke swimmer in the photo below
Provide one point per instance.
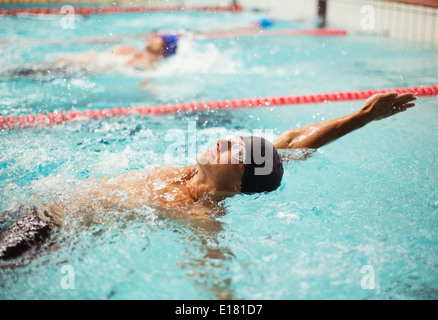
(238, 165)
(158, 47)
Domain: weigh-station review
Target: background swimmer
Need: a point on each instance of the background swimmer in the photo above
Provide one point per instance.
(158, 47)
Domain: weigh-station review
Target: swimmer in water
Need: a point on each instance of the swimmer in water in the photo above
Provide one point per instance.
(158, 47)
(238, 165)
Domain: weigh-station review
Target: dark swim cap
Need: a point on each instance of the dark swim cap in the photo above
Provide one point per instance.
(171, 41)
(263, 166)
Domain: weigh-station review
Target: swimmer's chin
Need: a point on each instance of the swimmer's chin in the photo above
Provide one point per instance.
(205, 158)
(201, 159)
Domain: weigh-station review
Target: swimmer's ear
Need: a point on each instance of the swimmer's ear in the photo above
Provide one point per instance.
(238, 188)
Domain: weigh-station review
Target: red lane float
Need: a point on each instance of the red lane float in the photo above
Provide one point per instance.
(10, 122)
(118, 9)
(264, 33)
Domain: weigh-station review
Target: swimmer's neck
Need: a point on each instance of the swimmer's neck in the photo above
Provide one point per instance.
(199, 187)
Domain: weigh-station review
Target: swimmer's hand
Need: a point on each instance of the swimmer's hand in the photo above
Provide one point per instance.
(383, 105)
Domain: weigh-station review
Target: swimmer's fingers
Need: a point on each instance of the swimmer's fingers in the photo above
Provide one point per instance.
(403, 108)
(404, 98)
(404, 105)
(407, 105)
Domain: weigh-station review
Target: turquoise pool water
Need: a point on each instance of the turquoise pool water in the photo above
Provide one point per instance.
(366, 202)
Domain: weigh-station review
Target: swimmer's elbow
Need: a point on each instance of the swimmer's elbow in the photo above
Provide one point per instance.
(287, 140)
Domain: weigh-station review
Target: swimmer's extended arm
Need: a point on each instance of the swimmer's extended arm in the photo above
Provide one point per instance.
(378, 106)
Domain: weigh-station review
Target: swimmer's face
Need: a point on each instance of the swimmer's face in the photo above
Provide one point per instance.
(222, 165)
(156, 45)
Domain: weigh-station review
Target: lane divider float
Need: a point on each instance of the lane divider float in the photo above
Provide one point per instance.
(21, 121)
(64, 1)
(117, 9)
(284, 32)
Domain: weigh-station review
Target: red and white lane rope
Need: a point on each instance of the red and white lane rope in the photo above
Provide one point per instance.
(285, 32)
(21, 121)
(117, 9)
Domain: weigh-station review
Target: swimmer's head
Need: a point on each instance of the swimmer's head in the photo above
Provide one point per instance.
(219, 168)
(155, 45)
(263, 166)
(162, 44)
(170, 43)
(242, 164)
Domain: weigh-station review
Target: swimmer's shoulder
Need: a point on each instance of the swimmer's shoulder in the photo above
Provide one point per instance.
(163, 172)
(174, 169)
(124, 50)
